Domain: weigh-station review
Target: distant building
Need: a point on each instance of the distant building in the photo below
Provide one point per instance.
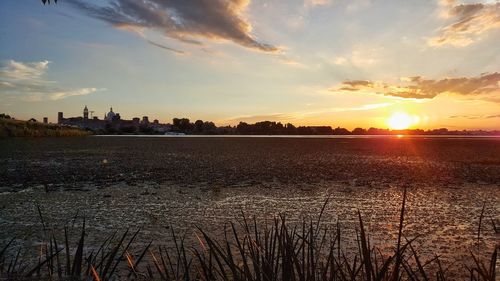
(45, 120)
(110, 115)
(85, 113)
(82, 122)
(112, 122)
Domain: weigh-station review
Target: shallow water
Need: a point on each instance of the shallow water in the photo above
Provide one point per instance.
(155, 184)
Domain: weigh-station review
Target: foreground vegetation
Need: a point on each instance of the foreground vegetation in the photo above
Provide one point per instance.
(18, 128)
(247, 251)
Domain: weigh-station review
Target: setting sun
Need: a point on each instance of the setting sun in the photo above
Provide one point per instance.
(401, 121)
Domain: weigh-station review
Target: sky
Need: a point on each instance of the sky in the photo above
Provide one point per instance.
(348, 63)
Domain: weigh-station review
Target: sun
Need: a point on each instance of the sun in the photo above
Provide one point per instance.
(401, 121)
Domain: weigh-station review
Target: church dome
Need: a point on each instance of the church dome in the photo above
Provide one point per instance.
(110, 114)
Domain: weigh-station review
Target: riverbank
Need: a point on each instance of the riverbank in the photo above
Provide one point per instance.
(20, 128)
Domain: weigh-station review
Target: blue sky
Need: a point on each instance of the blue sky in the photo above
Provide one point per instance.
(338, 63)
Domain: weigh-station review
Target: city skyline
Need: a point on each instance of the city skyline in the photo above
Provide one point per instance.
(417, 64)
(396, 125)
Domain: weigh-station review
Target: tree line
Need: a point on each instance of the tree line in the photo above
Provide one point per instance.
(200, 127)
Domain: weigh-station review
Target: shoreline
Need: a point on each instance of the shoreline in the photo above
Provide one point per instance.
(311, 136)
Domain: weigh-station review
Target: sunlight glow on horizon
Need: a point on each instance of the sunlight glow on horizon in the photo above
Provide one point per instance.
(289, 67)
(402, 121)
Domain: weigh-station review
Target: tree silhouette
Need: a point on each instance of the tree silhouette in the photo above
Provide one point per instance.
(48, 2)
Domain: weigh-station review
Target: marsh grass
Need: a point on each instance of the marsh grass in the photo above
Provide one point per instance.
(248, 250)
(18, 128)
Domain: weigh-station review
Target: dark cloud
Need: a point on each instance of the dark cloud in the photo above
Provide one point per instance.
(416, 87)
(468, 22)
(355, 83)
(166, 48)
(483, 84)
(410, 93)
(184, 20)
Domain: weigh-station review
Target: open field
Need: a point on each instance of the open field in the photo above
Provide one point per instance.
(162, 183)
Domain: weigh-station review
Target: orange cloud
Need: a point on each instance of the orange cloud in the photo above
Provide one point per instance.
(485, 85)
(469, 21)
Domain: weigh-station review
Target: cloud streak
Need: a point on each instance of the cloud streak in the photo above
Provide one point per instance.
(26, 81)
(473, 117)
(364, 107)
(286, 117)
(484, 86)
(469, 22)
(179, 52)
(257, 118)
(187, 21)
